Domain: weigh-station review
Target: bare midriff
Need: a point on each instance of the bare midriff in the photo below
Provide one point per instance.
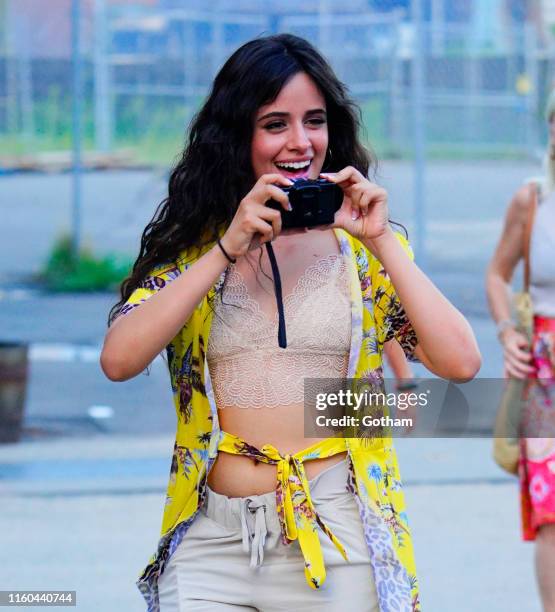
(240, 476)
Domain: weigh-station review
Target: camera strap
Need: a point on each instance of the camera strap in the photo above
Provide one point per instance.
(282, 337)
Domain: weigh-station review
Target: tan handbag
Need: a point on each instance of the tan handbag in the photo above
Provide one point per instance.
(506, 431)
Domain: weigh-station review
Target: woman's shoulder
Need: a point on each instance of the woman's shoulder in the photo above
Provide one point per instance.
(523, 200)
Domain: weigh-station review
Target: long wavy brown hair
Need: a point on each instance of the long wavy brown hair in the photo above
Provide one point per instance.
(214, 172)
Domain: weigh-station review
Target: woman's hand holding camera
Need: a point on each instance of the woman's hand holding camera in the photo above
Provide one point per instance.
(364, 212)
(254, 223)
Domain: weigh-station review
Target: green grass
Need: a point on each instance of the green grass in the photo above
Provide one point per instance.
(66, 271)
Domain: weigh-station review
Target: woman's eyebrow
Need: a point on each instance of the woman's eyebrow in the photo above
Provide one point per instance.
(314, 111)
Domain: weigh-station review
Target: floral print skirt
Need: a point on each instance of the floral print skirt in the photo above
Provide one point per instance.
(537, 457)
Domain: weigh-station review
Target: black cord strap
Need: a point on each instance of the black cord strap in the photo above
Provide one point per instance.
(282, 337)
(230, 259)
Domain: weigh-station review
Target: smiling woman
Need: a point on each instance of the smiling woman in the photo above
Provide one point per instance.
(259, 516)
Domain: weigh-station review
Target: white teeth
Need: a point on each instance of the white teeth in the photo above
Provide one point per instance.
(294, 165)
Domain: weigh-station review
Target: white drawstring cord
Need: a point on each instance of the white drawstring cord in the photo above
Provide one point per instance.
(256, 537)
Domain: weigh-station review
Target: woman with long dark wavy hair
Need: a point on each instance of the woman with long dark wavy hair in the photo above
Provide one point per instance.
(216, 284)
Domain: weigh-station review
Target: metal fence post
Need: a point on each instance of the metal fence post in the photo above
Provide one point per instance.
(395, 103)
(190, 68)
(12, 121)
(419, 132)
(531, 68)
(25, 79)
(323, 26)
(76, 124)
(102, 97)
(218, 43)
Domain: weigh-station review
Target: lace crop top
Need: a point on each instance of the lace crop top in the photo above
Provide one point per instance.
(249, 369)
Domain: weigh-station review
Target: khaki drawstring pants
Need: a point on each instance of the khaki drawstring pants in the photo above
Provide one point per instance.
(232, 557)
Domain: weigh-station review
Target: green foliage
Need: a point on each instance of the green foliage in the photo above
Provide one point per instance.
(66, 271)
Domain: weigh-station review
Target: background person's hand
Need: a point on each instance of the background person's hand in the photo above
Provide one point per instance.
(254, 223)
(364, 212)
(517, 356)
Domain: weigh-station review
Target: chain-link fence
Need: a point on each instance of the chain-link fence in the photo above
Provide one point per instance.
(114, 83)
(147, 64)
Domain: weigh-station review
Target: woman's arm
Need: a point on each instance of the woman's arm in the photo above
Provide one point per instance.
(135, 339)
(446, 342)
(498, 279)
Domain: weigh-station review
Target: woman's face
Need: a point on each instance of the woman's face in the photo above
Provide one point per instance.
(291, 134)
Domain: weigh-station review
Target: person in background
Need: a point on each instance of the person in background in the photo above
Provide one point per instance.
(400, 366)
(537, 460)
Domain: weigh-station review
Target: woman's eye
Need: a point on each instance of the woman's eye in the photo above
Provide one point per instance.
(275, 125)
(317, 121)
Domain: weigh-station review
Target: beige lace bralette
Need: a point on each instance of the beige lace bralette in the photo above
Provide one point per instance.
(249, 369)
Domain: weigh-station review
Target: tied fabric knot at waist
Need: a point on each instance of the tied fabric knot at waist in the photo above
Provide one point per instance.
(297, 516)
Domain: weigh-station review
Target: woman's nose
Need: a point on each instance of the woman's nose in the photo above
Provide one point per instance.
(299, 139)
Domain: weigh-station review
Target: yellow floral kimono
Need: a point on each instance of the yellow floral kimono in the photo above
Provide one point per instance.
(376, 317)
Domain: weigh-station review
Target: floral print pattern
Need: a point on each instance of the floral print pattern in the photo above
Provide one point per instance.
(537, 457)
(376, 316)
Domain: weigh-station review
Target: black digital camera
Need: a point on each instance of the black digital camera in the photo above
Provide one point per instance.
(314, 203)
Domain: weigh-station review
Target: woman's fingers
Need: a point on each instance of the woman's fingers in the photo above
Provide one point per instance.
(275, 193)
(518, 358)
(345, 179)
(267, 188)
(270, 179)
(521, 355)
(518, 371)
(518, 362)
(364, 202)
(521, 368)
(265, 229)
(348, 174)
(272, 216)
(514, 370)
(362, 194)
